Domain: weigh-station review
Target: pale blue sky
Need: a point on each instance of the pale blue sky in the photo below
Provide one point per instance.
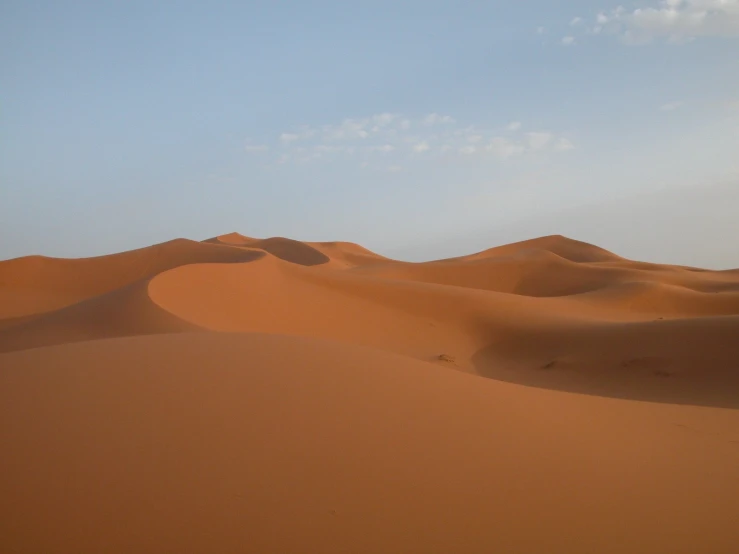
(396, 124)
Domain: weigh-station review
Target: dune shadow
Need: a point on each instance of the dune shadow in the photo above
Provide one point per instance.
(288, 250)
(292, 251)
(642, 378)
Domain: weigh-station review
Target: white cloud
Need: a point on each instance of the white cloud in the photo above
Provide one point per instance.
(349, 129)
(576, 21)
(421, 147)
(504, 148)
(394, 168)
(538, 140)
(435, 118)
(540, 30)
(563, 145)
(397, 138)
(671, 106)
(385, 148)
(568, 41)
(333, 149)
(289, 137)
(677, 21)
(383, 119)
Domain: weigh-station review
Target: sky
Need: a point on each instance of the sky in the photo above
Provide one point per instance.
(419, 129)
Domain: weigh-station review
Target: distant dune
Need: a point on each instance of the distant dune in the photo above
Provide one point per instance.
(271, 395)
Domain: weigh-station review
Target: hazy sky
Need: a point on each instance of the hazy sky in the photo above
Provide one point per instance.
(391, 123)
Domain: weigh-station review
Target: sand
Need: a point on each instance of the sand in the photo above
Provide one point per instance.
(271, 395)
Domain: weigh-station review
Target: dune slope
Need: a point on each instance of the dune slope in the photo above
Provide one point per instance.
(272, 395)
(218, 442)
(36, 284)
(550, 312)
(331, 254)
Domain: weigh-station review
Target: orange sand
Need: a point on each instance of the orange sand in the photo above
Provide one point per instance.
(278, 396)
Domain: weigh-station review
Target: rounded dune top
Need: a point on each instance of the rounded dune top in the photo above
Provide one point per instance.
(564, 247)
(335, 253)
(234, 239)
(290, 250)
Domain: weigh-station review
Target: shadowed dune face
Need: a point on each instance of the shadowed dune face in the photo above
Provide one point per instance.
(125, 312)
(37, 284)
(682, 361)
(269, 395)
(548, 312)
(333, 254)
(292, 251)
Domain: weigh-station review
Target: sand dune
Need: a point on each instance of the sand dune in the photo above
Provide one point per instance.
(569, 249)
(266, 443)
(35, 284)
(331, 254)
(121, 313)
(273, 395)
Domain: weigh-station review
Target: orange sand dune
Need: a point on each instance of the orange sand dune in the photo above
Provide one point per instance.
(124, 312)
(35, 284)
(569, 249)
(273, 395)
(552, 266)
(330, 254)
(267, 443)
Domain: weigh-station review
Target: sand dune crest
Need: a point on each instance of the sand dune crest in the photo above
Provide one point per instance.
(272, 395)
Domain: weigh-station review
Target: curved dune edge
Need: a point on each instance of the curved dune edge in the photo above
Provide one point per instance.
(560, 343)
(543, 273)
(125, 312)
(246, 442)
(37, 284)
(336, 255)
(550, 312)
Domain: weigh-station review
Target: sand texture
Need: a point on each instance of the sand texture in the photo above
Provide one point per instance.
(276, 396)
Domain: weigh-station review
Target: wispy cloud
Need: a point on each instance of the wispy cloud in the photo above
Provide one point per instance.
(382, 148)
(539, 140)
(568, 41)
(421, 147)
(287, 138)
(435, 118)
(671, 106)
(563, 145)
(677, 21)
(388, 140)
(503, 148)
